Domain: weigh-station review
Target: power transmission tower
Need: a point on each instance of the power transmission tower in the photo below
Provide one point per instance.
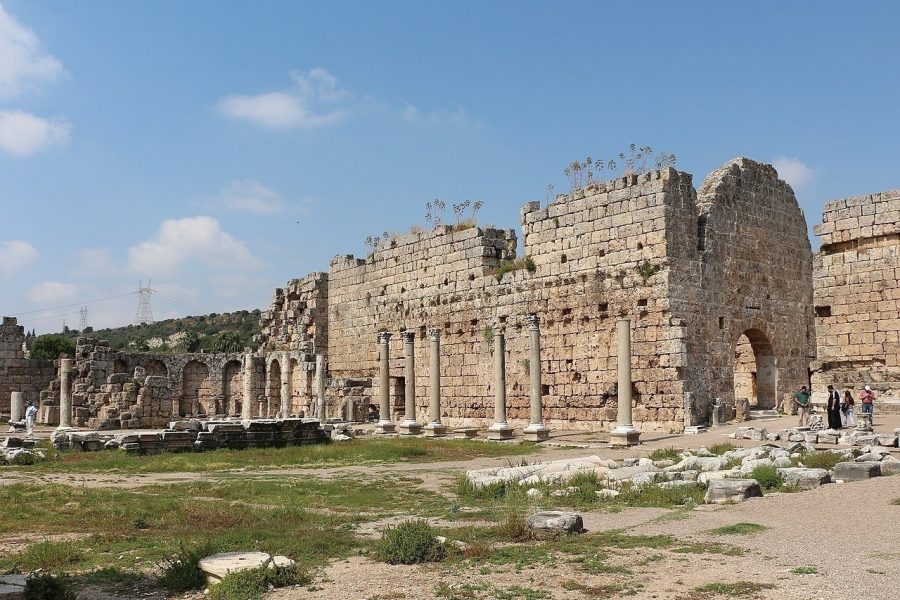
(82, 325)
(144, 313)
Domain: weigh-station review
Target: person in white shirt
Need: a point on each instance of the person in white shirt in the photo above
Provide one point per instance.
(30, 415)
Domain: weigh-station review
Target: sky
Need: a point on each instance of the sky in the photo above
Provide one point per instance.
(221, 148)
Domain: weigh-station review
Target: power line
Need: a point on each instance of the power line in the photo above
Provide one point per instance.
(83, 302)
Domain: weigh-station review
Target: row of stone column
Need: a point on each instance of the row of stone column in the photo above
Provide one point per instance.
(250, 384)
(500, 429)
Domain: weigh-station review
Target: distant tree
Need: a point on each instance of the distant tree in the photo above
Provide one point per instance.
(191, 341)
(228, 341)
(51, 346)
(140, 344)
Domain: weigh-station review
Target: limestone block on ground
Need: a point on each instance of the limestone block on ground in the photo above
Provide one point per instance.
(218, 566)
(552, 522)
(698, 463)
(607, 493)
(721, 491)
(12, 587)
(678, 483)
(782, 462)
(629, 473)
(868, 457)
(856, 471)
(803, 478)
(749, 464)
(890, 466)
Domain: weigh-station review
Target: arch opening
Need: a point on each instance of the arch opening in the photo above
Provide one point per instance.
(755, 370)
(233, 382)
(196, 392)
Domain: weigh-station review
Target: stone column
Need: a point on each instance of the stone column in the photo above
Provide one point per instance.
(385, 424)
(536, 430)
(624, 433)
(16, 406)
(320, 388)
(410, 426)
(500, 430)
(285, 386)
(65, 392)
(690, 409)
(435, 428)
(249, 380)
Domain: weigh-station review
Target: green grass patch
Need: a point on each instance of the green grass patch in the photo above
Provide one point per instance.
(738, 529)
(253, 583)
(739, 589)
(357, 452)
(666, 454)
(410, 543)
(768, 477)
(45, 586)
(821, 460)
(805, 571)
(508, 266)
(721, 448)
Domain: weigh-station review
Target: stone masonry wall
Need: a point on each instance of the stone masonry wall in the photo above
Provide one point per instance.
(17, 373)
(598, 254)
(297, 320)
(857, 296)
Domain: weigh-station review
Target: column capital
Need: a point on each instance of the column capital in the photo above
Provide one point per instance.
(384, 337)
(498, 330)
(533, 321)
(409, 336)
(434, 334)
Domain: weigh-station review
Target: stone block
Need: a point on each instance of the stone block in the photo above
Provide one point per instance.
(551, 523)
(721, 491)
(856, 471)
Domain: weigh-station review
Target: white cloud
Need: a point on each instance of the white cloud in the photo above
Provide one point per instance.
(793, 171)
(191, 239)
(23, 64)
(51, 292)
(314, 102)
(251, 196)
(14, 255)
(23, 134)
(411, 114)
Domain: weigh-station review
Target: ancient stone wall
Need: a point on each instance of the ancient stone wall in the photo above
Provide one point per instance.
(17, 373)
(297, 320)
(857, 296)
(744, 270)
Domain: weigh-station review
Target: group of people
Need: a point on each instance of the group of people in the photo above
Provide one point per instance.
(840, 409)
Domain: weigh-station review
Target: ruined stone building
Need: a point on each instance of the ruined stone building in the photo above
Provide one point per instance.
(717, 281)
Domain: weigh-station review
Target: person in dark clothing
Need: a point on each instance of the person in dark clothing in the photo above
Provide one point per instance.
(834, 408)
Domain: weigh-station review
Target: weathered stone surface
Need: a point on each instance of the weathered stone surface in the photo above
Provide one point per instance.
(803, 478)
(553, 522)
(12, 587)
(854, 471)
(721, 491)
(218, 566)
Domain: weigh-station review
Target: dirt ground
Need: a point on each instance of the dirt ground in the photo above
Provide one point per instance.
(844, 532)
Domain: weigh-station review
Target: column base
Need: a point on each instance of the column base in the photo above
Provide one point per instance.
(385, 427)
(434, 430)
(410, 428)
(624, 435)
(694, 429)
(536, 432)
(500, 431)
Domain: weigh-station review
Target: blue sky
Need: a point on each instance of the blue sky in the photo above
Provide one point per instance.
(222, 148)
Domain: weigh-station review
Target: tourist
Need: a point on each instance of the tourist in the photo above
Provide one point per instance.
(867, 399)
(847, 409)
(30, 415)
(802, 400)
(834, 408)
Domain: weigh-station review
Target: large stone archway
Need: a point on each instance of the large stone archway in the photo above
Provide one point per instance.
(755, 370)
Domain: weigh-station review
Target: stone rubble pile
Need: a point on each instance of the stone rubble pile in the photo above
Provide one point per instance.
(197, 435)
(728, 477)
(845, 437)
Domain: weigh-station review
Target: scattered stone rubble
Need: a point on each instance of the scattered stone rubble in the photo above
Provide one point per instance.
(727, 477)
(197, 435)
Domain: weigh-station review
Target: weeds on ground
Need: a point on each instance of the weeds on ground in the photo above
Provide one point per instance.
(251, 584)
(820, 460)
(44, 586)
(722, 448)
(738, 529)
(739, 589)
(768, 477)
(182, 572)
(409, 543)
(665, 454)
(48, 556)
(805, 571)
(508, 266)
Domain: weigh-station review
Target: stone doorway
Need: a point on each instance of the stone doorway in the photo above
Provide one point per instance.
(755, 371)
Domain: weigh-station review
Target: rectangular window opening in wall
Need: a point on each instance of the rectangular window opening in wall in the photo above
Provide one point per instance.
(721, 322)
(701, 232)
(823, 311)
(603, 306)
(642, 302)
